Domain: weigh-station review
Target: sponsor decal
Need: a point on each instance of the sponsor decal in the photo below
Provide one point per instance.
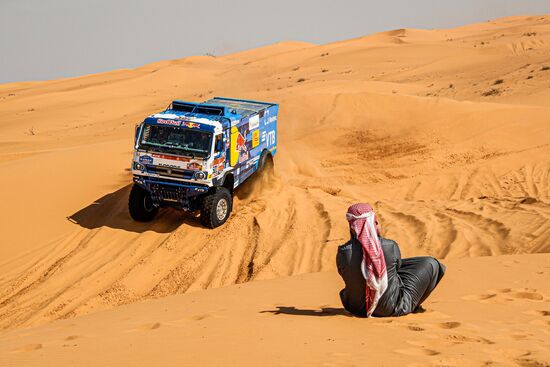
(244, 156)
(255, 138)
(146, 159)
(241, 142)
(218, 160)
(168, 165)
(270, 120)
(194, 166)
(191, 125)
(169, 122)
(254, 122)
(174, 158)
(271, 138)
(239, 150)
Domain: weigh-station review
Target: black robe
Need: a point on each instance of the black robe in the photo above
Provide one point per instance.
(410, 281)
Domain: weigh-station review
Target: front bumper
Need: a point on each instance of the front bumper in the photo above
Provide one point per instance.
(166, 192)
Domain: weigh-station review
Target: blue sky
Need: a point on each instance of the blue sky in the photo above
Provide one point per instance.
(42, 39)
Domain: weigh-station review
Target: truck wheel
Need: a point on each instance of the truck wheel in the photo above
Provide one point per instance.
(266, 163)
(216, 208)
(141, 205)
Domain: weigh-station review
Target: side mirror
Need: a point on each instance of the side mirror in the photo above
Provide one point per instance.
(136, 136)
(219, 145)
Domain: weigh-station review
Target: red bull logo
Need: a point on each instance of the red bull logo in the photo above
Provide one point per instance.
(190, 124)
(241, 142)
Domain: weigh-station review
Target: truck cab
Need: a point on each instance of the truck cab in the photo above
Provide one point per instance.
(192, 156)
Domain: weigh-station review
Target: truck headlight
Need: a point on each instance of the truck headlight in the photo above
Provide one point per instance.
(138, 166)
(200, 175)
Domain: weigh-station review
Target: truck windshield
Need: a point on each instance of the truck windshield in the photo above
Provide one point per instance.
(175, 140)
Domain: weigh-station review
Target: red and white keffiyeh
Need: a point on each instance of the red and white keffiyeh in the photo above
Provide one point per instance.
(362, 222)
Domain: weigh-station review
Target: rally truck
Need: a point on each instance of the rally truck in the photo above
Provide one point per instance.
(192, 156)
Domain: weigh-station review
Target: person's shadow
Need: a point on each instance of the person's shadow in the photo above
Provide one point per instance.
(324, 311)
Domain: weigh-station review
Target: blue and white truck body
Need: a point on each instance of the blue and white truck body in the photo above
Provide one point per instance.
(192, 156)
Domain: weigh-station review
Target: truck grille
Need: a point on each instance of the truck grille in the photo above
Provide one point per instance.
(170, 195)
(170, 172)
(167, 193)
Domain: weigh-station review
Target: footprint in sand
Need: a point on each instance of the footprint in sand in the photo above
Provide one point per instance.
(530, 362)
(459, 339)
(479, 297)
(152, 326)
(449, 325)
(28, 347)
(509, 263)
(146, 327)
(415, 328)
(418, 352)
(72, 337)
(504, 290)
(199, 317)
(528, 294)
(519, 336)
(534, 296)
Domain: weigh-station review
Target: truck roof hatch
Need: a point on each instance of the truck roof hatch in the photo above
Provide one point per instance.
(240, 106)
(197, 108)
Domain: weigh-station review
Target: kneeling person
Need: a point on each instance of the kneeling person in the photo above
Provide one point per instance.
(377, 281)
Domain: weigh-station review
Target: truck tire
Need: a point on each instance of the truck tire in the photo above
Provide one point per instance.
(141, 205)
(266, 163)
(216, 208)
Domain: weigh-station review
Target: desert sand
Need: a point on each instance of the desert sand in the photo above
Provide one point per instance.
(470, 321)
(446, 132)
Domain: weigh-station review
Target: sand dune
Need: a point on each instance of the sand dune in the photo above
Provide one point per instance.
(446, 132)
(496, 319)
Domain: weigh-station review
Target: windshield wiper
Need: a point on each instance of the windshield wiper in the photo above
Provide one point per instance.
(151, 147)
(175, 150)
